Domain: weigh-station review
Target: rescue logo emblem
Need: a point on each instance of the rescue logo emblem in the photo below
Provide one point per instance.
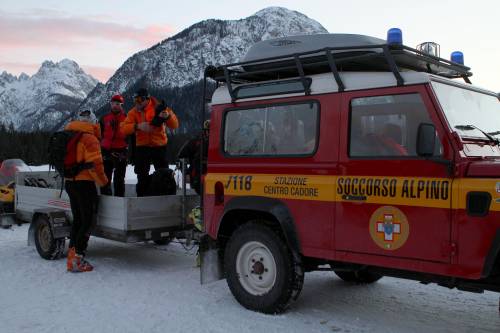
(389, 228)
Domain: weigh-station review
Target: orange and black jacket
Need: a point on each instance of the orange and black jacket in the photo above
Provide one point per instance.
(88, 150)
(156, 138)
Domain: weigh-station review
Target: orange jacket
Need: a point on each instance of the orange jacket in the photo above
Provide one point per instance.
(88, 150)
(158, 137)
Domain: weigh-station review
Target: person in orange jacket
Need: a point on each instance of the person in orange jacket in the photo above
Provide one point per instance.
(148, 119)
(82, 189)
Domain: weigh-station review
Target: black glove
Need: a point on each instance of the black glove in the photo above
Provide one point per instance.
(160, 107)
(157, 120)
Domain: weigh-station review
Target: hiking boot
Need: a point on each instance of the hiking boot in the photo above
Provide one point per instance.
(79, 264)
(70, 258)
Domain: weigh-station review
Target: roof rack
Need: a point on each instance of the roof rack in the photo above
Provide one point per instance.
(383, 57)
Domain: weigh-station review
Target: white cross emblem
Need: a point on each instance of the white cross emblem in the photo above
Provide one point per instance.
(388, 227)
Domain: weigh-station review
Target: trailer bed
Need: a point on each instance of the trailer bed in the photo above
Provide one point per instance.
(126, 219)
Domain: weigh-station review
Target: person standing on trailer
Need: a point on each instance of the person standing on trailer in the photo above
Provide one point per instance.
(82, 189)
(148, 119)
(114, 147)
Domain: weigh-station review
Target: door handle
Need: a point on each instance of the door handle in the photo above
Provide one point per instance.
(354, 197)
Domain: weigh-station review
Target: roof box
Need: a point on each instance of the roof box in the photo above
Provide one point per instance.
(290, 46)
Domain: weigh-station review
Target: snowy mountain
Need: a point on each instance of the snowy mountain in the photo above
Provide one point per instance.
(173, 68)
(44, 99)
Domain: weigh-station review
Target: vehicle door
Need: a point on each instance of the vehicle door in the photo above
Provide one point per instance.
(390, 201)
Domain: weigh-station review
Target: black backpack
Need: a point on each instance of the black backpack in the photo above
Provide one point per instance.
(161, 182)
(62, 153)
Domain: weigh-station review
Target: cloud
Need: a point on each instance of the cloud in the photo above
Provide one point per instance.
(56, 29)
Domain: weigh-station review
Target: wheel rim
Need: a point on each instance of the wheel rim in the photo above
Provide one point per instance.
(256, 268)
(44, 237)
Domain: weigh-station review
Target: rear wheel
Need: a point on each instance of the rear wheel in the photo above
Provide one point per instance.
(360, 276)
(260, 269)
(46, 246)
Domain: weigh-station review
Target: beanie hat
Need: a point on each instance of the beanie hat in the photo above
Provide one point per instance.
(87, 116)
(142, 92)
(117, 98)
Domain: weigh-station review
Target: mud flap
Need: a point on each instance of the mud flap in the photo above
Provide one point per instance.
(210, 261)
(7, 220)
(31, 234)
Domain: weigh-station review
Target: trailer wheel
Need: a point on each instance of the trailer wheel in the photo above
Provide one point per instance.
(361, 276)
(260, 269)
(46, 246)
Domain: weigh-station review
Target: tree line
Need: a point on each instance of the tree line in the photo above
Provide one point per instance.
(32, 147)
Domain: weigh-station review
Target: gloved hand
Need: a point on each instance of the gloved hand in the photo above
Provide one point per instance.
(145, 127)
(160, 107)
(164, 115)
(161, 115)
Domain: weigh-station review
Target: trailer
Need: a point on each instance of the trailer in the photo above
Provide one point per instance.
(41, 201)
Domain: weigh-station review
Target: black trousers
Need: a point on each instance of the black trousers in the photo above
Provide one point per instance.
(83, 198)
(144, 157)
(115, 168)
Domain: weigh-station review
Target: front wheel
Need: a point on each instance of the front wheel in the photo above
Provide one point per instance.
(46, 246)
(260, 269)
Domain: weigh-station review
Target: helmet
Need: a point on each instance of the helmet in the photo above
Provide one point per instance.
(117, 98)
(87, 116)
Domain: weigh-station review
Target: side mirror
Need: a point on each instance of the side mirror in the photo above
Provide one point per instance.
(426, 139)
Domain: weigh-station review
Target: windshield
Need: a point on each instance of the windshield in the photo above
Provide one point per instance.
(469, 113)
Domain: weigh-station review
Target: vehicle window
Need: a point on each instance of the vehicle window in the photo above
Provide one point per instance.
(387, 126)
(469, 112)
(272, 130)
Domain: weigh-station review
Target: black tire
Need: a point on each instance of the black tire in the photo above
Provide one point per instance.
(46, 246)
(359, 277)
(245, 251)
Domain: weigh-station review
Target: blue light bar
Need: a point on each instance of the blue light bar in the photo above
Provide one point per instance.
(457, 57)
(394, 36)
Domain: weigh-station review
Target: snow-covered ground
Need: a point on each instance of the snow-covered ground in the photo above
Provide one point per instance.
(148, 288)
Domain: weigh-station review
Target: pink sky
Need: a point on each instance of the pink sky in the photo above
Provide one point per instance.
(98, 44)
(101, 34)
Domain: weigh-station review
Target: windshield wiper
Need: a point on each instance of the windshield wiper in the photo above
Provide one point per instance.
(488, 135)
(494, 133)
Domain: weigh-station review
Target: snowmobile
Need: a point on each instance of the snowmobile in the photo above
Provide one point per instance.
(8, 171)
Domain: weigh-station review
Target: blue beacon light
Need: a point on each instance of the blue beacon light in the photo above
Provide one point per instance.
(457, 57)
(394, 36)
